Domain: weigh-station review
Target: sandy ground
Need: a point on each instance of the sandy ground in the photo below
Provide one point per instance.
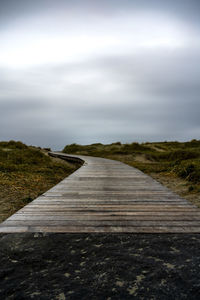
(99, 266)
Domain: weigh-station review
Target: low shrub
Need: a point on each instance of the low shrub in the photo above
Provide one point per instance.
(189, 171)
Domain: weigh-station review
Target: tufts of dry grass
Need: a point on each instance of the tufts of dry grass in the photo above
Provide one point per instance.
(25, 173)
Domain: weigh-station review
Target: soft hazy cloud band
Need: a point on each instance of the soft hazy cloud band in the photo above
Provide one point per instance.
(91, 71)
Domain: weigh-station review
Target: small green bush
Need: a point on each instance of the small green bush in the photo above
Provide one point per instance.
(190, 188)
(177, 155)
(189, 171)
(135, 147)
(72, 148)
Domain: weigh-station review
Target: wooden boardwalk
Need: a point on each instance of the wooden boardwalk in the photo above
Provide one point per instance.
(106, 196)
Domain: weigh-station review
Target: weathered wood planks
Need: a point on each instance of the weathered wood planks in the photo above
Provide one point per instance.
(106, 196)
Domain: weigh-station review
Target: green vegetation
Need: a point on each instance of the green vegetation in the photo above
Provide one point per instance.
(25, 173)
(168, 162)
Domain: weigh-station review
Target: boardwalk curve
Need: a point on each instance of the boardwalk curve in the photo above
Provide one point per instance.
(106, 196)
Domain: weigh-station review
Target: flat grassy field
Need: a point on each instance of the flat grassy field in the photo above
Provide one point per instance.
(175, 164)
(25, 173)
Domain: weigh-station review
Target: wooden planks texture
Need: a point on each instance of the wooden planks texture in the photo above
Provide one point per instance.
(106, 196)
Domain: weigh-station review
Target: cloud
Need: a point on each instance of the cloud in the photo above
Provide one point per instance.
(127, 72)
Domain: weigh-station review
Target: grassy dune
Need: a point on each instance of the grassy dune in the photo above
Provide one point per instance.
(25, 173)
(175, 164)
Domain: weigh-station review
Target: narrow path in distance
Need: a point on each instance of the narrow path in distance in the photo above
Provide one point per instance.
(106, 196)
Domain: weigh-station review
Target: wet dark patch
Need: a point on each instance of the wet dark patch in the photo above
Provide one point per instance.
(99, 266)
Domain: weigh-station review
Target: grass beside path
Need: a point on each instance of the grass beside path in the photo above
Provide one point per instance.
(25, 173)
(174, 164)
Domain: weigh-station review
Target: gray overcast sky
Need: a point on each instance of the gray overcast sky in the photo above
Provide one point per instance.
(99, 71)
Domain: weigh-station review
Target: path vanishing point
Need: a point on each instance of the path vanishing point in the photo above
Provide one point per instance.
(106, 196)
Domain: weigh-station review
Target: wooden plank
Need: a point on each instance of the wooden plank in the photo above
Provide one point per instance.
(118, 214)
(111, 229)
(106, 218)
(109, 206)
(108, 209)
(103, 223)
